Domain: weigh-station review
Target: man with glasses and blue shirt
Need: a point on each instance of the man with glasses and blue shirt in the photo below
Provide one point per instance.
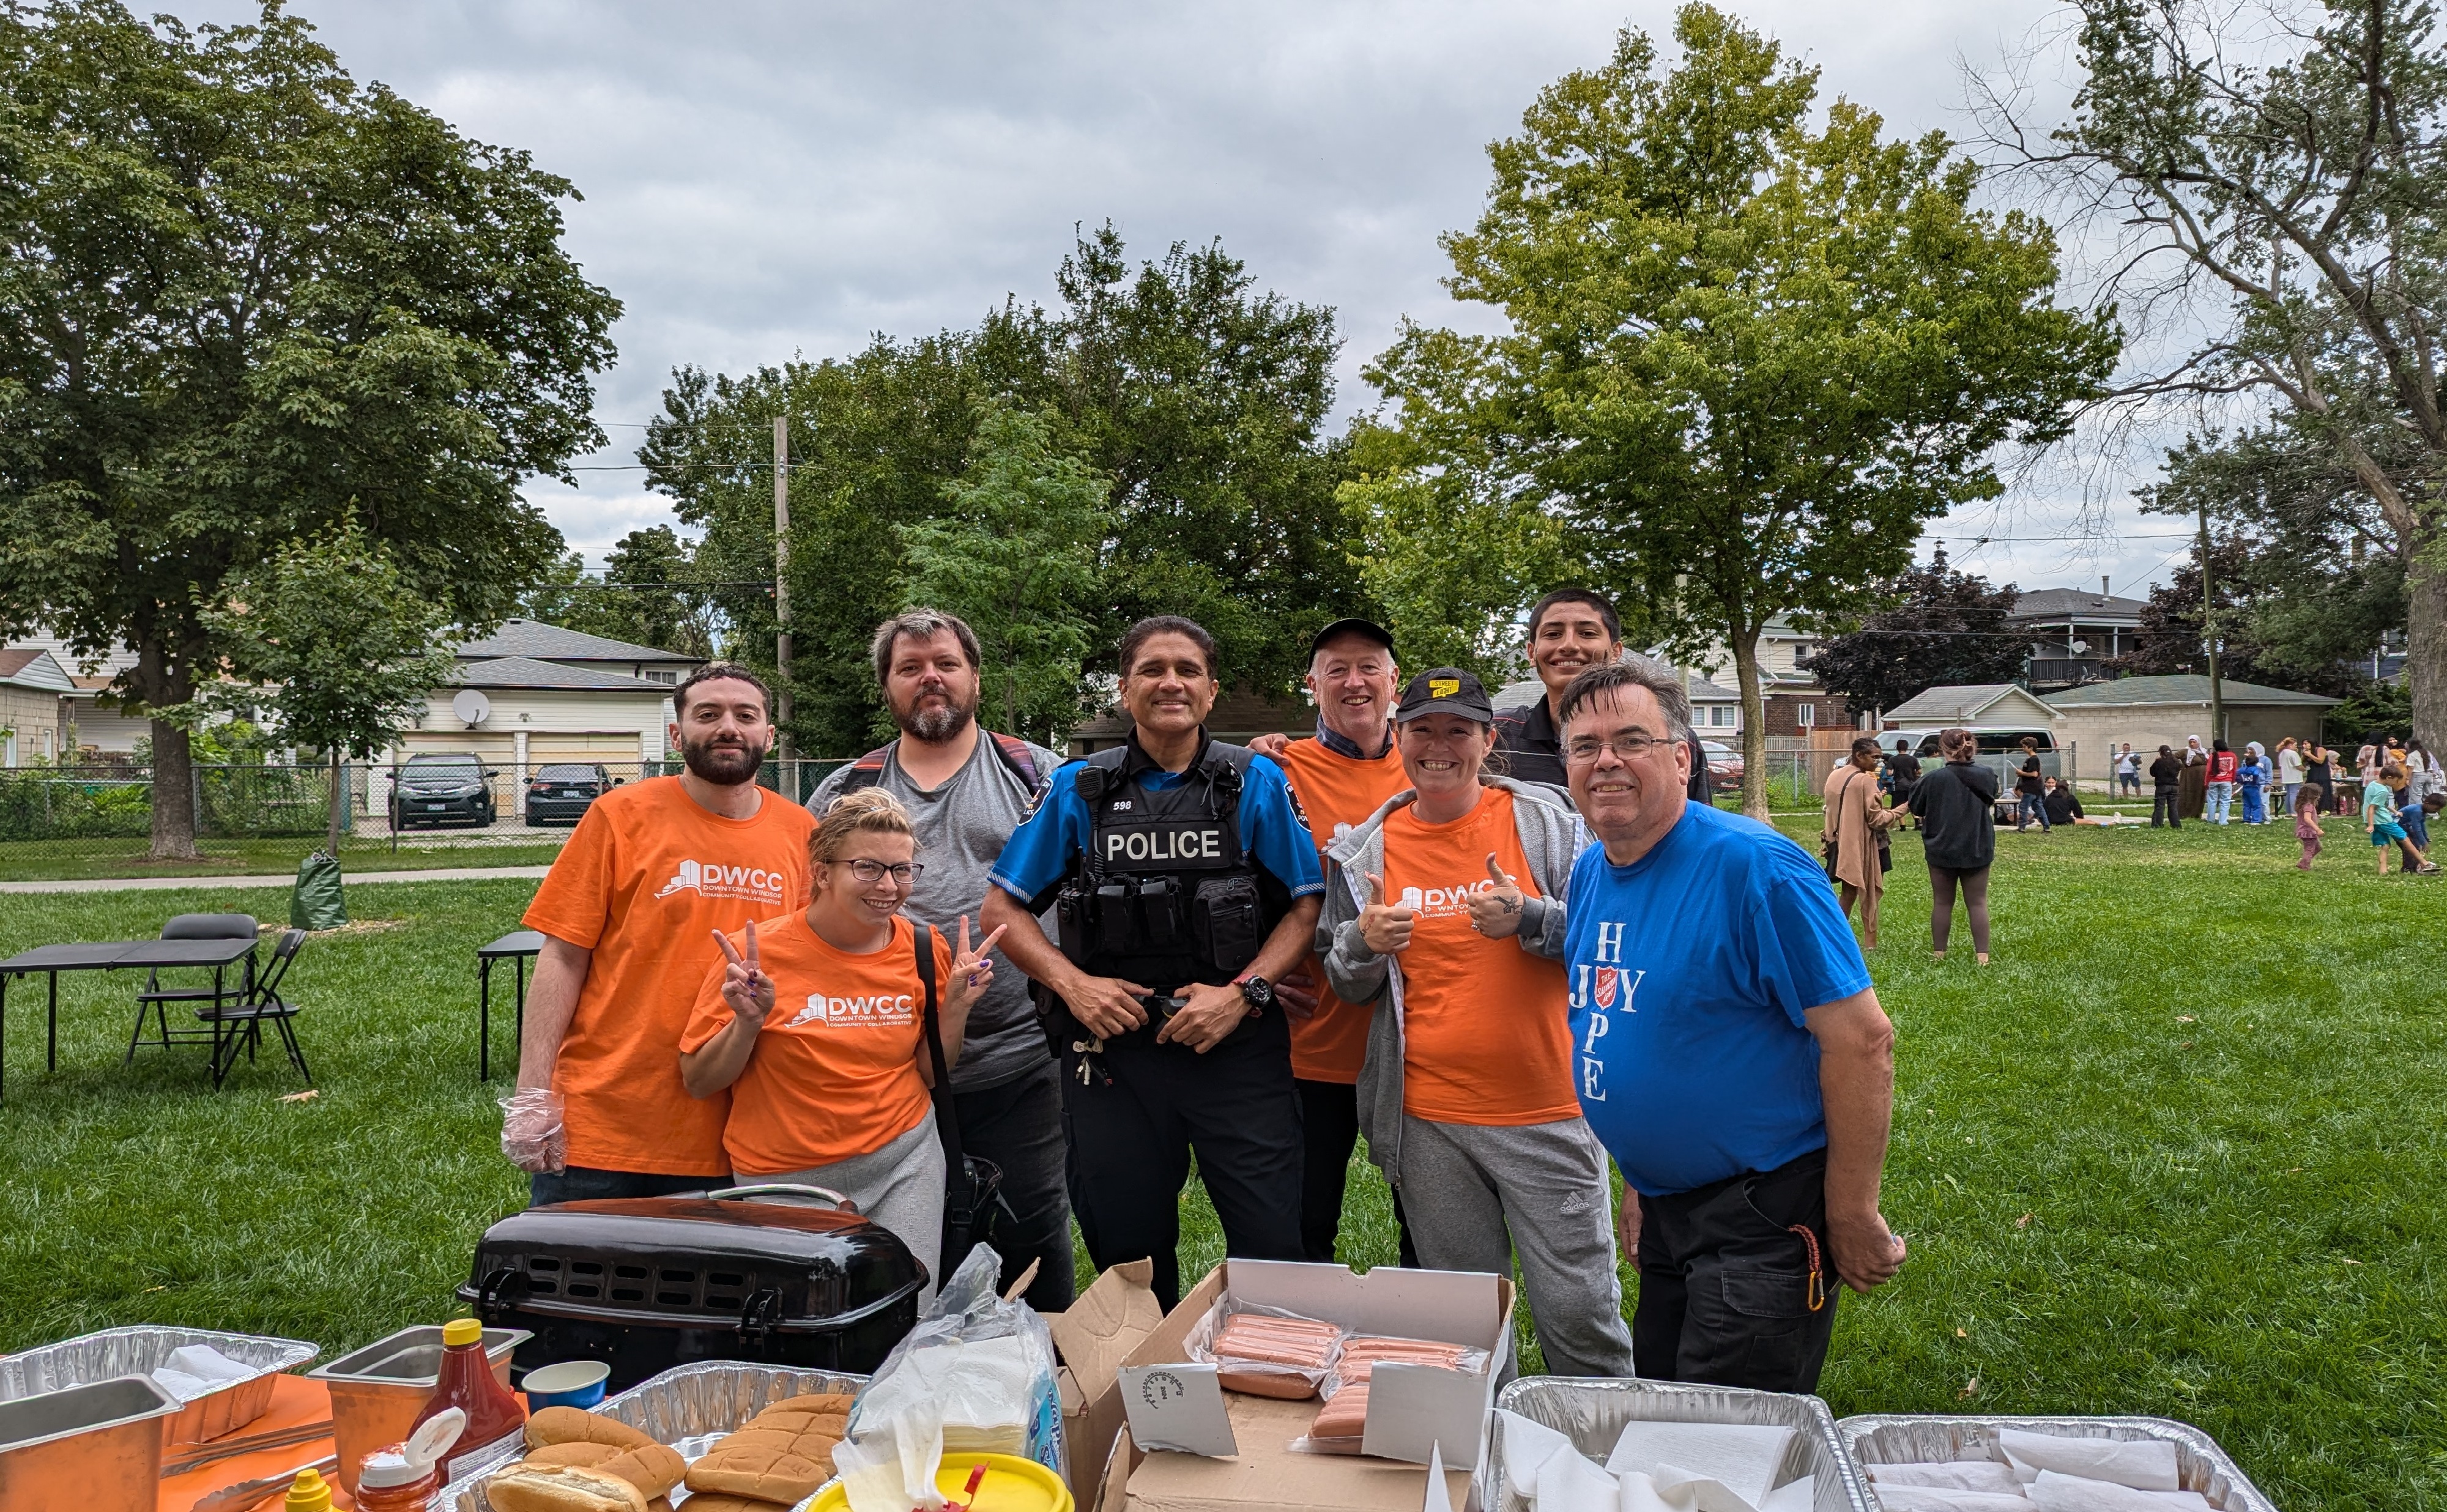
(1728, 1050)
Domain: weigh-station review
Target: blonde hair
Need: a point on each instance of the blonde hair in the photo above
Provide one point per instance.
(867, 811)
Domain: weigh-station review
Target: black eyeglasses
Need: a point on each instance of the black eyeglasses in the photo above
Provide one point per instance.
(872, 871)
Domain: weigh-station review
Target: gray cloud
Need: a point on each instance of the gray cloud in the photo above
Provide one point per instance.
(765, 178)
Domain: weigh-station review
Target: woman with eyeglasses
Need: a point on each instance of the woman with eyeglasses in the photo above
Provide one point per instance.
(1446, 910)
(814, 1026)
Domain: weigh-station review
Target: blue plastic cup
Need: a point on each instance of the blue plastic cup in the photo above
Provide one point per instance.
(571, 1383)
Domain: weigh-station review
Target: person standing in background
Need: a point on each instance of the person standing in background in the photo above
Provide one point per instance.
(1852, 836)
(1902, 775)
(2421, 781)
(2030, 790)
(629, 912)
(1446, 911)
(1343, 775)
(2251, 784)
(2166, 781)
(2289, 770)
(2320, 770)
(2193, 785)
(2218, 791)
(2128, 773)
(1957, 804)
(966, 790)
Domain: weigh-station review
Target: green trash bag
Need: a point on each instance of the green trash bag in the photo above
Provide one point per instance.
(316, 902)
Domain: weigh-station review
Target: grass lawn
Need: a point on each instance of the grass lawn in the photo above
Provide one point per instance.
(66, 859)
(2174, 1152)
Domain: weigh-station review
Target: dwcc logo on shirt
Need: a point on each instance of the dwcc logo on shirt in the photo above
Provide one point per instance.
(715, 879)
(855, 1012)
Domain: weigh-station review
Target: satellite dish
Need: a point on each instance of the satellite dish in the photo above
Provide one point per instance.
(471, 707)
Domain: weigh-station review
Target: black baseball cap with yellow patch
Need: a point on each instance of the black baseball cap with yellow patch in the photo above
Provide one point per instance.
(1445, 690)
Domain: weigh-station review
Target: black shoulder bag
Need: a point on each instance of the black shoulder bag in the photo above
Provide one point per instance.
(972, 1185)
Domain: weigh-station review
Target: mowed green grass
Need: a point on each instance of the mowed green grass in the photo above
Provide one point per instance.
(63, 859)
(2175, 1152)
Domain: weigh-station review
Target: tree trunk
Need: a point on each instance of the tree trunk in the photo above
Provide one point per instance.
(1746, 677)
(2425, 646)
(339, 801)
(174, 794)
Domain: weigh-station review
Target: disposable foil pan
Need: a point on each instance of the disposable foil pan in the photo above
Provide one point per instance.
(1895, 1438)
(1592, 1412)
(140, 1351)
(685, 1401)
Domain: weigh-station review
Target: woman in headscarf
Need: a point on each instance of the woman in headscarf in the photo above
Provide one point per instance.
(2193, 787)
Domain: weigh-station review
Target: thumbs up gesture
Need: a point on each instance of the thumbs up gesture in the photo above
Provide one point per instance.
(1386, 929)
(1495, 911)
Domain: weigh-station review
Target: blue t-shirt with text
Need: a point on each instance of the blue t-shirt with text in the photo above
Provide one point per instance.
(1272, 832)
(1691, 971)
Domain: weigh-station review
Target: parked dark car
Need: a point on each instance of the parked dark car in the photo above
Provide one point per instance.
(442, 787)
(561, 793)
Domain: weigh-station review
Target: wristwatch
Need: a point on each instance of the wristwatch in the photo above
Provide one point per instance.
(1258, 992)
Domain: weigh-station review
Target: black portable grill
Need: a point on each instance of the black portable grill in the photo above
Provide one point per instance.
(647, 1283)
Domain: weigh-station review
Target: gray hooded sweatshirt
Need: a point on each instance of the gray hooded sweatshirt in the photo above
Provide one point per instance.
(1552, 838)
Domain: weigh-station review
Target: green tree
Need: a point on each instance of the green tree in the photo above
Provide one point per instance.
(1747, 361)
(1943, 625)
(1017, 555)
(351, 648)
(244, 296)
(2297, 187)
(652, 593)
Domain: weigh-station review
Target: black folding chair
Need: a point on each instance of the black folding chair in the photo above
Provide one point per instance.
(240, 1025)
(156, 998)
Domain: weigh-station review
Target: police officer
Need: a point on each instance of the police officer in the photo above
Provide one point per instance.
(1185, 884)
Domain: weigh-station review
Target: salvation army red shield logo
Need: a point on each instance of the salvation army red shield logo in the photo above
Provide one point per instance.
(1607, 975)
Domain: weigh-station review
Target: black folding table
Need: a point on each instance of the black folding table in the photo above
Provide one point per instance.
(516, 947)
(110, 956)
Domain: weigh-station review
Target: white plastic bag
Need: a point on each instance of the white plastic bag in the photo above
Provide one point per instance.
(984, 1367)
(894, 1470)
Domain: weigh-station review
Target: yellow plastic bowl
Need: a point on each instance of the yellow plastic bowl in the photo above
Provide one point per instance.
(1011, 1484)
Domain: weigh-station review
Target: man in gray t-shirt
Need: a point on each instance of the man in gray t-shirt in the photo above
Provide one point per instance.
(967, 790)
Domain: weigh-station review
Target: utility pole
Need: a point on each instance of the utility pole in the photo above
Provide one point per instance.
(2208, 634)
(782, 593)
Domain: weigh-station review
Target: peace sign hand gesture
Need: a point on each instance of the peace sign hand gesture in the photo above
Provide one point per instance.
(744, 986)
(1495, 911)
(1386, 929)
(971, 970)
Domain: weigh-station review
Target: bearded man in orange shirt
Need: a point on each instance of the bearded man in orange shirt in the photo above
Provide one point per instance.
(629, 914)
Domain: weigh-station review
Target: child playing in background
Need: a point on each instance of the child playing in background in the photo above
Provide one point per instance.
(2251, 783)
(2379, 818)
(2306, 823)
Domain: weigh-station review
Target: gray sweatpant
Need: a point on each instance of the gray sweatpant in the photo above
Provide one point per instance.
(1478, 1195)
(900, 1186)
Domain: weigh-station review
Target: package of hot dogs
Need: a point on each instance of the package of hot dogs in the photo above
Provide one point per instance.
(1344, 1420)
(1265, 1350)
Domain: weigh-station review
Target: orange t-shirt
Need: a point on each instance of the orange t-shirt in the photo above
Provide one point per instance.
(1484, 1025)
(1336, 793)
(644, 881)
(835, 1069)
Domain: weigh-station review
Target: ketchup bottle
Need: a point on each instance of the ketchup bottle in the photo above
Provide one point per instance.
(494, 1416)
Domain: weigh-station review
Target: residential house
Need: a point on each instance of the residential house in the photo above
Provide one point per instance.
(1795, 702)
(1715, 710)
(2074, 633)
(539, 641)
(36, 706)
(2154, 711)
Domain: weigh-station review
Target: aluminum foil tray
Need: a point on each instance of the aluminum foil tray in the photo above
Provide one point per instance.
(689, 1401)
(139, 1351)
(1895, 1438)
(1592, 1414)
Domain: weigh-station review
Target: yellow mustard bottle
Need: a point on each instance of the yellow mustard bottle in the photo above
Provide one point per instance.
(309, 1494)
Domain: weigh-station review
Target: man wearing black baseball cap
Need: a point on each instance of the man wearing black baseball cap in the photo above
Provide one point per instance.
(1341, 775)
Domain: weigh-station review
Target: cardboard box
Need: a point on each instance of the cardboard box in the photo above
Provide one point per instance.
(1108, 1320)
(1416, 1415)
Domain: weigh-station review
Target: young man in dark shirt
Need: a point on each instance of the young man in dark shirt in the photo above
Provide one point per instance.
(1571, 630)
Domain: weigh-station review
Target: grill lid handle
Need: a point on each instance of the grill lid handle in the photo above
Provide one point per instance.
(823, 1194)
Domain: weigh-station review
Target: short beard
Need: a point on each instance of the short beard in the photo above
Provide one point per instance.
(939, 722)
(723, 766)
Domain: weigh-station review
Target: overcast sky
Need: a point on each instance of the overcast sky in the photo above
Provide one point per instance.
(765, 178)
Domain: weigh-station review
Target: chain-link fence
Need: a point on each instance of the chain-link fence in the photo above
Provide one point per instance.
(96, 820)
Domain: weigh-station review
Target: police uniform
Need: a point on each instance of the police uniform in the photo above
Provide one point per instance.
(1167, 880)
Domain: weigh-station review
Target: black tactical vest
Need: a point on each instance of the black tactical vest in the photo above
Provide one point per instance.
(1164, 893)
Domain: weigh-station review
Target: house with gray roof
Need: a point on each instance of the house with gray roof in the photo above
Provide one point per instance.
(2153, 711)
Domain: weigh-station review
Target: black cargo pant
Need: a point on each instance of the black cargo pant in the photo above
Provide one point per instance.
(1329, 1132)
(1726, 1295)
(1136, 1120)
(1017, 1125)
